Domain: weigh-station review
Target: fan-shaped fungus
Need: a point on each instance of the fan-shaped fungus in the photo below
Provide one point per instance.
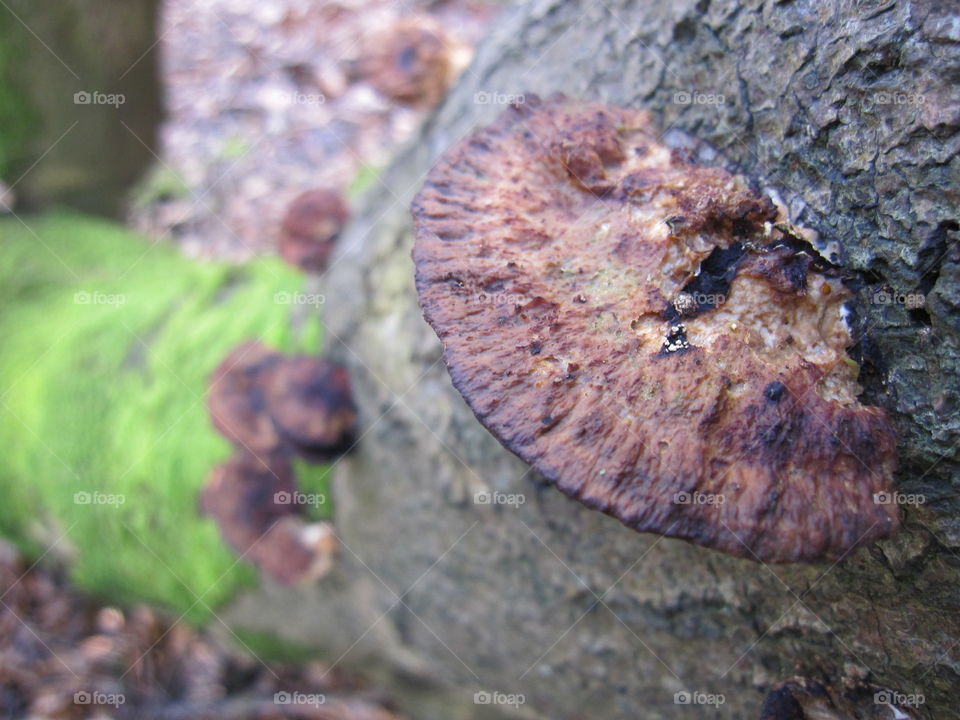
(647, 335)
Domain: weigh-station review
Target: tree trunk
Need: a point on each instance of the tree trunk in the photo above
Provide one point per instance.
(850, 110)
(80, 99)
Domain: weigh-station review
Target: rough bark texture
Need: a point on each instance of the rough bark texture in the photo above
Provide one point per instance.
(584, 617)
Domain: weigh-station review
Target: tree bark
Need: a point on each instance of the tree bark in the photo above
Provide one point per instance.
(850, 111)
(83, 103)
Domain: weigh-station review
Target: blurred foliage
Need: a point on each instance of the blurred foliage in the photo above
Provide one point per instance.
(108, 343)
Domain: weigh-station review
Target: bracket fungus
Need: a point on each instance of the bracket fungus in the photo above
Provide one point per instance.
(413, 63)
(651, 335)
(236, 398)
(241, 496)
(311, 404)
(249, 499)
(310, 229)
(263, 401)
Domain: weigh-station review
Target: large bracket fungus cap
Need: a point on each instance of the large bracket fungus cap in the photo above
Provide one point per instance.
(651, 335)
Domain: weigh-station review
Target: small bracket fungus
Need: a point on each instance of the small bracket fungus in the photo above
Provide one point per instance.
(263, 401)
(243, 497)
(413, 63)
(640, 330)
(310, 229)
(311, 404)
(249, 498)
(236, 398)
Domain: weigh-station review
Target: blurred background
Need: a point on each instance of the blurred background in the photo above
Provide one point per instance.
(151, 152)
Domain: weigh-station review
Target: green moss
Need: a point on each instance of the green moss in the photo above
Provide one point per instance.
(107, 344)
(270, 648)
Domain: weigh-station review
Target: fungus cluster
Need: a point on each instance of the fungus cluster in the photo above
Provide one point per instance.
(652, 335)
(272, 407)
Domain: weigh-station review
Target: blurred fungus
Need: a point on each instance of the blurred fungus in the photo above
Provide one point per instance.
(643, 332)
(236, 397)
(263, 401)
(246, 496)
(294, 551)
(311, 404)
(413, 63)
(253, 502)
(310, 229)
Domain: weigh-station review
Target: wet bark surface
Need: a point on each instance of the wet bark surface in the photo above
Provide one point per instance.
(849, 110)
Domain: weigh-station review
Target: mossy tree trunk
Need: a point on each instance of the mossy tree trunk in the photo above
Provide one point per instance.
(850, 111)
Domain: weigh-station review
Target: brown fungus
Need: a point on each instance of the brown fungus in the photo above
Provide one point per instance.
(246, 496)
(312, 407)
(413, 63)
(310, 229)
(236, 397)
(294, 551)
(252, 500)
(263, 401)
(713, 399)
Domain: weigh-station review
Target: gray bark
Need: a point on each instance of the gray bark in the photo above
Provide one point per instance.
(584, 617)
